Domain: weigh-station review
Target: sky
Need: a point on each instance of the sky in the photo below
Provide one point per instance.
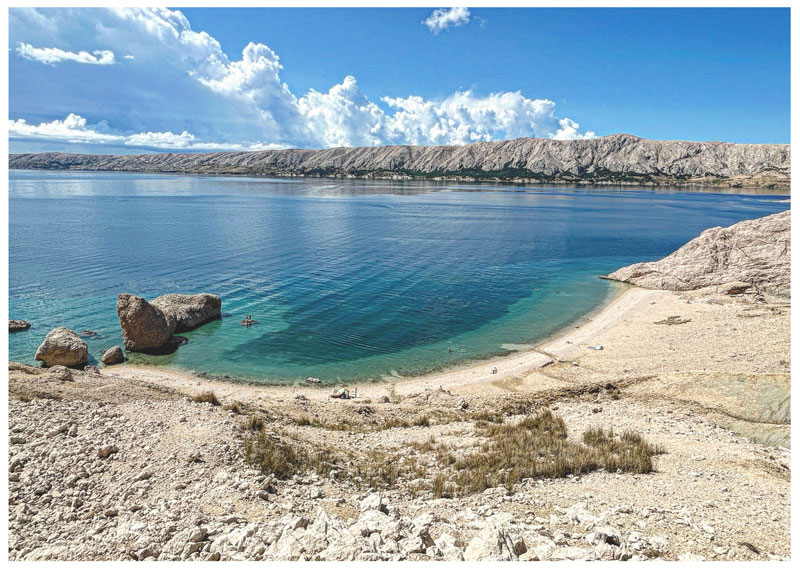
(203, 79)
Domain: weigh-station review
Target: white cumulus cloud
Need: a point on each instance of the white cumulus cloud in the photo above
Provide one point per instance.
(568, 130)
(181, 80)
(53, 55)
(441, 19)
(76, 129)
(343, 116)
(73, 128)
(464, 118)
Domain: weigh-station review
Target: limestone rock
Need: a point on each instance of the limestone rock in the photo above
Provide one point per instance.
(113, 356)
(62, 346)
(754, 253)
(150, 325)
(619, 158)
(492, 543)
(190, 310)
(17, 325)
(61, 373)
(373, 501)
(144, 326)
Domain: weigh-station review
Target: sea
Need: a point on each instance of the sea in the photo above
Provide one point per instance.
(347, 279)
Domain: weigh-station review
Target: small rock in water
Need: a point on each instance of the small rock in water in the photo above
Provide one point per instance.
(17, 325)
(113, 356)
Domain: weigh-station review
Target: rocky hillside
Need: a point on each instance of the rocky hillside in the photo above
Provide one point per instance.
(617, 159)
(750, 254)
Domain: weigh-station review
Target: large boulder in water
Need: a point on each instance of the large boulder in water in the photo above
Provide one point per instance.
(149, 325)
(190, 310)
(755, 253)
(62, 346)
(144, 326)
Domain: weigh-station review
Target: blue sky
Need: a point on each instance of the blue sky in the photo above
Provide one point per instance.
(200, 79)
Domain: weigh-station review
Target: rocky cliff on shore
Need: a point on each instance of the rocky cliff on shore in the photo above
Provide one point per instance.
(616, 159)
(751, 255)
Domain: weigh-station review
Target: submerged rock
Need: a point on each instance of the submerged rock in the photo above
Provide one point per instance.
(17, 325)
(113, 356)
(62, 346)
(754, 253)
(149, 325)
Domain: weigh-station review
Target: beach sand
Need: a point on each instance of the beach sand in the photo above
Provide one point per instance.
(697, 362)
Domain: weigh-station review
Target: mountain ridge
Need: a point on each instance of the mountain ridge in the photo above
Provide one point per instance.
(614, 159)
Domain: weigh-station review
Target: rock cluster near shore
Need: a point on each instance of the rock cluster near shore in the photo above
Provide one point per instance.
(754, 254)
(620, 158)
(150, 325)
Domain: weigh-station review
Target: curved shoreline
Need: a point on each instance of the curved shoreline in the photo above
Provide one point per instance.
(616, 291)
(560, 346)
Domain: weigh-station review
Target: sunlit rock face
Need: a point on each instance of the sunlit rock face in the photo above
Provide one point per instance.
(620, 158)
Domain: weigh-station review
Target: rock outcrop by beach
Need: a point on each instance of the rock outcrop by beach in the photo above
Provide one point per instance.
(150, 325)
(17, 325)
(62, 346)
(616, 159)
(750, 254)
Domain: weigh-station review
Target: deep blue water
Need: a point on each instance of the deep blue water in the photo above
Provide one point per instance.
(347, 279)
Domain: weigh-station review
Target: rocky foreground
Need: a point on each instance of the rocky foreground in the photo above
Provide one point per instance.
(127, 463)
(617, 159)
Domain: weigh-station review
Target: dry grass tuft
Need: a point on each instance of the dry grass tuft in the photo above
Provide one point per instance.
(538, 447)
(284, 458)
(208, 397)
(254, 423)
(235, 407)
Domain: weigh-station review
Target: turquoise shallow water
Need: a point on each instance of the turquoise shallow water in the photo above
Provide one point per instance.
(347, 279)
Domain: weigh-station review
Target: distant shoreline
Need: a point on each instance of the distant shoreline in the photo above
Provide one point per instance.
(620, 159)
(484, 182)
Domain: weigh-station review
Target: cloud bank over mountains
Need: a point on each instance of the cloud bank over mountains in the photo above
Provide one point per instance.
(173, 75)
